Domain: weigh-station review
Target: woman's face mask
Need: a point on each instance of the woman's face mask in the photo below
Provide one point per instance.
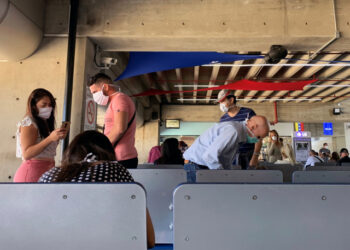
(100, 98)
(274, 138)
(45, 113)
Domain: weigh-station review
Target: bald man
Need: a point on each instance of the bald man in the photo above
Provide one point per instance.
(217, 146)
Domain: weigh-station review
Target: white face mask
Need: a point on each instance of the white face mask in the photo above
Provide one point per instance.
(100, 98)
(223, 107)
(45, 113)
(274, 138)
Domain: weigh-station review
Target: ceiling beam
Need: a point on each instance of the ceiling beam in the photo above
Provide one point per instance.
(164, 85)
(331, 72)
(253, 72)
(310, 72)
(337, 95)
(151, 84)
(180, 82)
(195, 82)
(212, 81)
(291, 71)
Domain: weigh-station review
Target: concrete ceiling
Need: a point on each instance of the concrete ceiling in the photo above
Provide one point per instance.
(329, 88)
(309, 29)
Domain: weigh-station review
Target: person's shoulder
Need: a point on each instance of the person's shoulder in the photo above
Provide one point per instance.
(26, 122)
(225, 117)
(246, 110)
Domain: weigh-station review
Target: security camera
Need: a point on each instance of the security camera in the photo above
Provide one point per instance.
(108, 60)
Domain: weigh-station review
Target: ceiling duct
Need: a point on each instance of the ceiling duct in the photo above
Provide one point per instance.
(20, 35)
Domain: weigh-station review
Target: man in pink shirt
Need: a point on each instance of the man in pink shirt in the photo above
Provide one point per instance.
(120, 122)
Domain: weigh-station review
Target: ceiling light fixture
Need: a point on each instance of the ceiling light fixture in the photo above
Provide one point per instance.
(192, 86)
(250, 99)
(280, 64)
(327, 86)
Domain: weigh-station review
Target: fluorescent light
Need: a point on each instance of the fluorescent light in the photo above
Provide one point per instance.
(327, 86)
(250, 99)
(192, 86)
(3, 60)
(281, 99)
(280, 64)
(183, 99)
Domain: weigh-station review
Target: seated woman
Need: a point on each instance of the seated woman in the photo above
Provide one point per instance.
(288, 156)
(274, 147)
(170, 153)
(90, 157)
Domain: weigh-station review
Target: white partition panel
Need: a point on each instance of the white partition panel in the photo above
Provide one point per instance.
(261, 217)
(321, 177)
(159, 185)
(240, 176)
(72, 216)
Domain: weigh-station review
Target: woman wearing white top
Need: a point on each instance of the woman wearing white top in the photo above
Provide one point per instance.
(37, 138)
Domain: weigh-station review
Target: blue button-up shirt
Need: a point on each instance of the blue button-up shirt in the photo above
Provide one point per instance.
(217, 146)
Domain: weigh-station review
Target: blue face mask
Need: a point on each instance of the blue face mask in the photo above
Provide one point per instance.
(251, 139)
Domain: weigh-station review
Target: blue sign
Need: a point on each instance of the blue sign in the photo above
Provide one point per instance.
(327, 128)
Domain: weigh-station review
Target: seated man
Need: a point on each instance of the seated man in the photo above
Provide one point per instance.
(313, 157)
(344, 156)
(218, 145)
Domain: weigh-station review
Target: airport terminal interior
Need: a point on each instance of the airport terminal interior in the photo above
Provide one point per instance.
(187, 68)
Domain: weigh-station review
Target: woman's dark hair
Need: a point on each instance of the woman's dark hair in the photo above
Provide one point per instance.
(335, 156)
(87, 142)
(170, 152)
(45, 127)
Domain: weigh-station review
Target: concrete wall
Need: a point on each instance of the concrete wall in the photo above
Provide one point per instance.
(45, 69)
(287, 112)
(147, 136)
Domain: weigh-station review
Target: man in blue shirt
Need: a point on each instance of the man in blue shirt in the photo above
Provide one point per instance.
(248, 153)
(217, 146)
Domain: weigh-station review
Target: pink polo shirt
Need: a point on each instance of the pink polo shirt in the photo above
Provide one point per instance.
(125, 148)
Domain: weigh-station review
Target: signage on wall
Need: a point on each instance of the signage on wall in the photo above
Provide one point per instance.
(90, 112)
(327, 128)
(172, 123)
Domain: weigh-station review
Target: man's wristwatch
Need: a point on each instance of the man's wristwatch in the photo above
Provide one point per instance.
(256, 153)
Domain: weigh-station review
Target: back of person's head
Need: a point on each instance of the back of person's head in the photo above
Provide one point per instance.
(313, 152)
(99, 78)
(87, 144)
(170, 152)
(288, 154)
(335, 156)
(44, 127)
(344, 152)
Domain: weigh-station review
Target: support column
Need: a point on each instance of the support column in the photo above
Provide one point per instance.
(146, 137)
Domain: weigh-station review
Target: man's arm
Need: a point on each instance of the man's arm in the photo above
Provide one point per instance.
(119, 126)
(254, 160)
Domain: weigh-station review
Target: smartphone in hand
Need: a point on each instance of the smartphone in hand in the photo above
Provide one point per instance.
(65, 125)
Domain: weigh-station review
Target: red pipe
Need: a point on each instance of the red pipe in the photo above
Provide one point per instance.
(276, 116)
